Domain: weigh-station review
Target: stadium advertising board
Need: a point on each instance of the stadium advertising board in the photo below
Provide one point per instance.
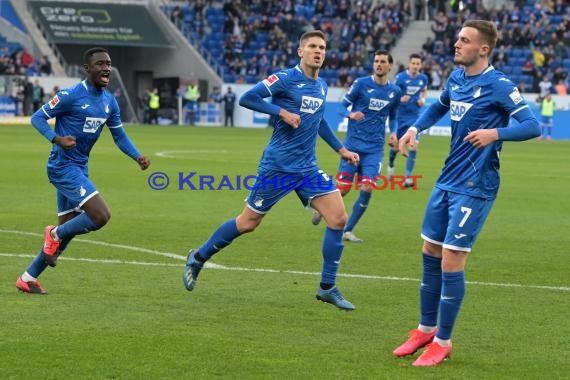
(96, 23)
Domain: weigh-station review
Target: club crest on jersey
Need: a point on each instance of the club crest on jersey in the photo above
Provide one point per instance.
(477, 92)
(92, 124)
(515, 96)
(459, 109)
(377, 104)
(270, 79)
(53, 102)
(310, 104)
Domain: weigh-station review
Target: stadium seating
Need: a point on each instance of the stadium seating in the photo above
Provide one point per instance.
(217, 43)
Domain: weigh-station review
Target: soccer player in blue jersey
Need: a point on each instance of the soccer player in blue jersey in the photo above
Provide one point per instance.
(374, 101)
(414, 89)
(289, 164)
(481, 101)
(81, 112)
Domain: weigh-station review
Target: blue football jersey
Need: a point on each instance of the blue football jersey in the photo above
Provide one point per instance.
(293, 149)
(80, 111)
(413, 87)
(379, 104)
(484, 101)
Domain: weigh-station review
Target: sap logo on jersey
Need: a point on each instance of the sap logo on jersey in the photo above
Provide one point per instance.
(412, 90)
(459, 109)
(310, 104)
(92, 124)
(376, 104)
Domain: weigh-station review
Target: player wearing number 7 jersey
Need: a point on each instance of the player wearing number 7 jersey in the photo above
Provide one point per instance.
(481, 101)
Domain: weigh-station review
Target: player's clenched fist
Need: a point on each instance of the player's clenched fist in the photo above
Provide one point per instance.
(290, 118)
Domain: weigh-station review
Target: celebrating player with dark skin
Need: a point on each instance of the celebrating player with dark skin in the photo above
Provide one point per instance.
(81, 112)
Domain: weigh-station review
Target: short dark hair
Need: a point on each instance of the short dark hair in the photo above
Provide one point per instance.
(312, 33)
(386, 53)
(415, 55)
(89, 53)
(487, 31)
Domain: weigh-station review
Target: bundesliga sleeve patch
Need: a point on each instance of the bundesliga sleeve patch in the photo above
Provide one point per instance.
(270, 80)
(516, 96)
(53, 102)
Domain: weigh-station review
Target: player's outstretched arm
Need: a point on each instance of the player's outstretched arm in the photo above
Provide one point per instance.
(144, 162)
(327, 134)
(125, 144)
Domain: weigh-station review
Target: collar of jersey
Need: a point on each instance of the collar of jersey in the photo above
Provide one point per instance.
(92, 89)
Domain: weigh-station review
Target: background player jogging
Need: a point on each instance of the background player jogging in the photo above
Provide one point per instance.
(374, 100)
(414, 90)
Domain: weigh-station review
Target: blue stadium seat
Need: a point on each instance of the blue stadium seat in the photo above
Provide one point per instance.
(216, 26)
(216, 52)
(527, 79)
(555, 19)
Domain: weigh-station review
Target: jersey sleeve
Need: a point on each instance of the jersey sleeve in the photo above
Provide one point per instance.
(114, 120)
(444, 97)
(400, 83)
(254, 98)
(352, 95)
(426, 80)
(393, 116)
(58, 105)
(508, 96)
(276, 83)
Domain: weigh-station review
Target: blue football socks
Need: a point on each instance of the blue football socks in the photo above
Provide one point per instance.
(79, 225)
(358, 209)
(410, 162)
(430, 290)
(221, 238)
(452, 295)
(332, 252)
(37, 266)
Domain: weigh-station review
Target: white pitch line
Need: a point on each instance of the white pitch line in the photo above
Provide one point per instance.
(265, 270)
(211, 265)
(101, 243)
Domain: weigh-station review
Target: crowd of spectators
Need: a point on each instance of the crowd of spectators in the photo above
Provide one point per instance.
(534, 44)
(260, 36)
(22, 62)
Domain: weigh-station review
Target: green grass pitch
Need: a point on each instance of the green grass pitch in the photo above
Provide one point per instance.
(117, 308)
